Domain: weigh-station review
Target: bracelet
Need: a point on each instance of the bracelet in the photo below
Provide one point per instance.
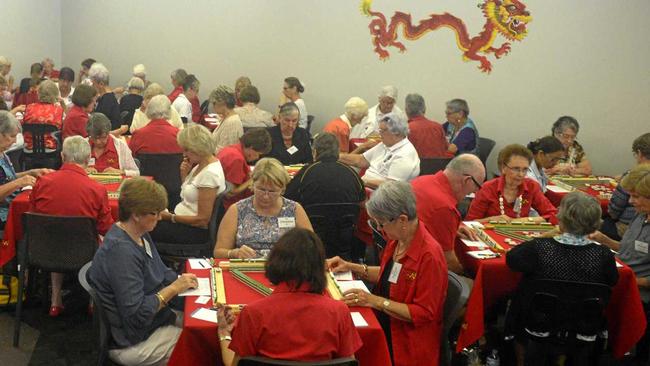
(365, 270)
(173, 219)
(225, 338)
(161, 299)
(228, 255)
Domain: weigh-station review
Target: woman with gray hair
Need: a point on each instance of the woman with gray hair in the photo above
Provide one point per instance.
(356, 109)
(158, 136)
(411, 282)
(290, 143)
(369, 126)
(132, 100)
(140, 118)
(106, 101)
(395, 158)
(460, 130)
(177, 78)
(230, 129)
(10, 181)
(109, 153)
(571, 256)
(48, 111)
(575, 162)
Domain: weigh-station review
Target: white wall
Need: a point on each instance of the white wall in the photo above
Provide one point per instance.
(30, 31)
(582, 58)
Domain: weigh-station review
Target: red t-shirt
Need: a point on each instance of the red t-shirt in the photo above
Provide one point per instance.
(341, 130)
(295, 325)
(108, 159)
(69, 192)
(436, 208)
(486, 202)
(427, 137)
(157, 137)
(235, 169)
(44, 114)
(422, 286)
(75, 122)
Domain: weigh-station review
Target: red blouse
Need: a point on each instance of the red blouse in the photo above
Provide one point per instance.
(422, 286)
(44, 114)
(75, 122)
(107, 159)
(486, 202)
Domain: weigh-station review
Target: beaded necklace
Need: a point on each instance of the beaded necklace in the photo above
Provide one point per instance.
(516, 207)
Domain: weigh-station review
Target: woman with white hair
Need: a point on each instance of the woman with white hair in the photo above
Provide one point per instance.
(370, 125)
(109, 154)
(48, 111)
(460, 130)
(140, 72)
(395, 158)
(411, 282)
(158, 136)
(356, 109)
(132, 100)
(140, 118)
(48, 69)
(106, 102)
(5, 69)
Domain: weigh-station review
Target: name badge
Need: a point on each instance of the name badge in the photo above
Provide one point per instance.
(91, 161)
(147, 249)
(394, 273)
(286, 222)
(641, 247)
(292, 150)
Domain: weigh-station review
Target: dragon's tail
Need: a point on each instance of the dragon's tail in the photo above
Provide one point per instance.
(365, 7)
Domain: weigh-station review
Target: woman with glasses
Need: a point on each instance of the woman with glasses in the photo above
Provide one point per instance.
(547, 152)
(290, 143)
(511, 196)
(203, 180)
(411, 282)
(251, 227)
(575, 162)
(460, 130)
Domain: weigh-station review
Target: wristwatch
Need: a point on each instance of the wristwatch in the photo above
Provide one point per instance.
(385, 304)
(225, 338)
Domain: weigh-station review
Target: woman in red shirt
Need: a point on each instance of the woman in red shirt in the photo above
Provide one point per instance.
(512, 196)
(297, 321)
(411, 281)
(48, 111)
(84, 99)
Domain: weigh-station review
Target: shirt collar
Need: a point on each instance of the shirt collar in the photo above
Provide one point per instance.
(345, 119)
(415, 248)
(284, 287)
(572, 239)
(73, 168)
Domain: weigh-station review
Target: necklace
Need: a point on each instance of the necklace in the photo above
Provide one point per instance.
(516, 207)
(398, 254)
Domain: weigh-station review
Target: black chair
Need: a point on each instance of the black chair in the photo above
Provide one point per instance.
(100, 320)
(334, 223)
(457, 294)
(16, 158)
(485, 147)
(430, 166)
(310, 120)
(165, 169)
(54, 244)
(38, 157)
(174, 253)
(263, 361)
(563, 317)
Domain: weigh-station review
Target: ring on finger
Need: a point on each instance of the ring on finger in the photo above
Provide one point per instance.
(356, 300)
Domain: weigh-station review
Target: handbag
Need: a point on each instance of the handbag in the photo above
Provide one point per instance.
(8, 290)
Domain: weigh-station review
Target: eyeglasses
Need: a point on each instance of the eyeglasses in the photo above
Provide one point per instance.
(567, 136)
(376, 226)
(448, 112)
(517, 170)
(478, 185)
(267, 192)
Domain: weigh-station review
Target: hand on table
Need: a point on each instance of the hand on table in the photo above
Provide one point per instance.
(505, 218)
(91, 170)
(467, 233)
(358, 297)
(185, 281)
(338, 264)
(225, 319)
(244, 252)
(112, 170)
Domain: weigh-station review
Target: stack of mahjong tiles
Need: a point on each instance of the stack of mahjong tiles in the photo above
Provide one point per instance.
(238, 269)
(603, 186)
(106, 178)
(518, 232)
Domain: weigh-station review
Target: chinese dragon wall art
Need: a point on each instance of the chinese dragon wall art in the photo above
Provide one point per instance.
(507, 18)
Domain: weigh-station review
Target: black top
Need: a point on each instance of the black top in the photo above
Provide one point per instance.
(107, 104)
(129, 103)
(326, 181)
(383, 290)
(301, 140)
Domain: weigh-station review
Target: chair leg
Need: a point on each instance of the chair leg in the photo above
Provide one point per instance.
(19, 304)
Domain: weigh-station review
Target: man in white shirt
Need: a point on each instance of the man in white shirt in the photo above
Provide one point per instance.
(182, 103)
(394, 158)
(370, 125)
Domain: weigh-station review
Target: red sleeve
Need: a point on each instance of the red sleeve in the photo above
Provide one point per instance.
(543, 206)
(104, 218)
(428, 291)
(479, 207)
(442, 224)
(134, 144)
(33, 196)
(234, 171)
(349, 340)
(244, 335)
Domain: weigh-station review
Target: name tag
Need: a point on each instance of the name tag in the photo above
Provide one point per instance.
(292, 150)
(641, 247)
(147, 249)
(394, 273)
(286, 222)
(91, 162)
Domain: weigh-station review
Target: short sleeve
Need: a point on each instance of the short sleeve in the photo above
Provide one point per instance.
(210, 177)
(244, 335)
(349, 340)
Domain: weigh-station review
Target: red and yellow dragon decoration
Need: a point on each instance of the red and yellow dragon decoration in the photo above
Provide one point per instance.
(507, 18)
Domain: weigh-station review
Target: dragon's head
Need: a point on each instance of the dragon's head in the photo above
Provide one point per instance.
(510, 17)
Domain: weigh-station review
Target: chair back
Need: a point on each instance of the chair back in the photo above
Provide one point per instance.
(38, 157)
(310, 120)
(99, 316)
(457, 295)
(59, 243)
(562, 310)
(165, 169)
(264, 361)
(335, 223)
(485, 146)
(433, 165)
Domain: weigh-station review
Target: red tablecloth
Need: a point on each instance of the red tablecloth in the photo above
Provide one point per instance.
(199, 345)
(556, 197)
(494, 280)
(14, 225)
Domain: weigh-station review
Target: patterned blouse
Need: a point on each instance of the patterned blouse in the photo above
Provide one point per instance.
(575, 154)
(44, 114)
(261, 232)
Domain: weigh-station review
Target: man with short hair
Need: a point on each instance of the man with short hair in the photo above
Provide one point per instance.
(182, 103)
(436, 197)
(427, 136)
(70, 192)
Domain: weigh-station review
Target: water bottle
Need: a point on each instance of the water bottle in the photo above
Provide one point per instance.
(493, 359)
